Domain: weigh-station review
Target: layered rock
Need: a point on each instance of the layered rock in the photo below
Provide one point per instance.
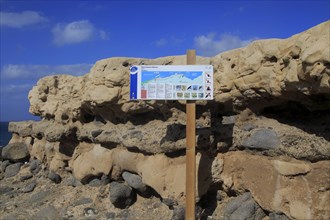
(266, 132)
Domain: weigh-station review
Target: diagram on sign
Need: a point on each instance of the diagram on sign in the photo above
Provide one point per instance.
(189, 82)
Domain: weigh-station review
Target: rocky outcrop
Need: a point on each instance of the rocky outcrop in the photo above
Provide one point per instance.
(263, 143)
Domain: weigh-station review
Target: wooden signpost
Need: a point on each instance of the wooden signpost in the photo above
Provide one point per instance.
(190, 148)
(188, 82)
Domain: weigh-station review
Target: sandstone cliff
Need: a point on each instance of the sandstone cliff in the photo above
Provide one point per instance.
(266, 132)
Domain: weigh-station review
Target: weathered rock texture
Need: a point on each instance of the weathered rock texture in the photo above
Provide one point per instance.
(267, 132)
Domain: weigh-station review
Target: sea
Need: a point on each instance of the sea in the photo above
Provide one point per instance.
(4, 134)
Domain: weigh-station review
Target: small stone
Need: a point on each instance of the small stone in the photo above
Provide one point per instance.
(26, 177)
(121, 196)
(12, 170)
(95, 182)
(88, 212)
(54, 177)
(71, 181)
(29, 188)
(35, 166)
(105, 179)
(135, 181)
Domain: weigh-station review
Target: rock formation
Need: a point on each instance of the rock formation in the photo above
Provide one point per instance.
(263, 143)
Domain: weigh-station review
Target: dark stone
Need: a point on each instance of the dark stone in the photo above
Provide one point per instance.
(12, 170)
(26, 177)
(245, 211)
(89, 212)
(121, 196)
(54, 177)
(179, 213)
(243, 207)
(71, 181)
(3, 165)
(263, 139)
(5, 189)
(96, 133)
(105, 179)
(83, 201)
(35, 166)
(95, 182)
(135, 181)
(29, 188)
(47, 213)
(278, 216)
(16, 152)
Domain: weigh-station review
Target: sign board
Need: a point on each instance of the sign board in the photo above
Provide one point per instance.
(167, 82)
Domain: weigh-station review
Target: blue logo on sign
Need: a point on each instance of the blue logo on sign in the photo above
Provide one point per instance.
(134, 69)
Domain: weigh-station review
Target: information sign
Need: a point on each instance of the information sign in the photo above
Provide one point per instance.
(170, 82)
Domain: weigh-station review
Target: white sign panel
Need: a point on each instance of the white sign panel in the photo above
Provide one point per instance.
(167, 82)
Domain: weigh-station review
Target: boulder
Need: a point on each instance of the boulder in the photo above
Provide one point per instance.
(16, 152)
(121, 196)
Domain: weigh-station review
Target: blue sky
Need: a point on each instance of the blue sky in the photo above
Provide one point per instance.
(40, 38)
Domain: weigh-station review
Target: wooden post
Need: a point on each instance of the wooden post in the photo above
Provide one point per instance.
(190, 148)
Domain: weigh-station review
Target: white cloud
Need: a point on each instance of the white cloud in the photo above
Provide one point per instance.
(161, 42)
(73, 33)
(103, 35)
(13, 71)
(209, 45)
(18, 20)
(15, 89)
